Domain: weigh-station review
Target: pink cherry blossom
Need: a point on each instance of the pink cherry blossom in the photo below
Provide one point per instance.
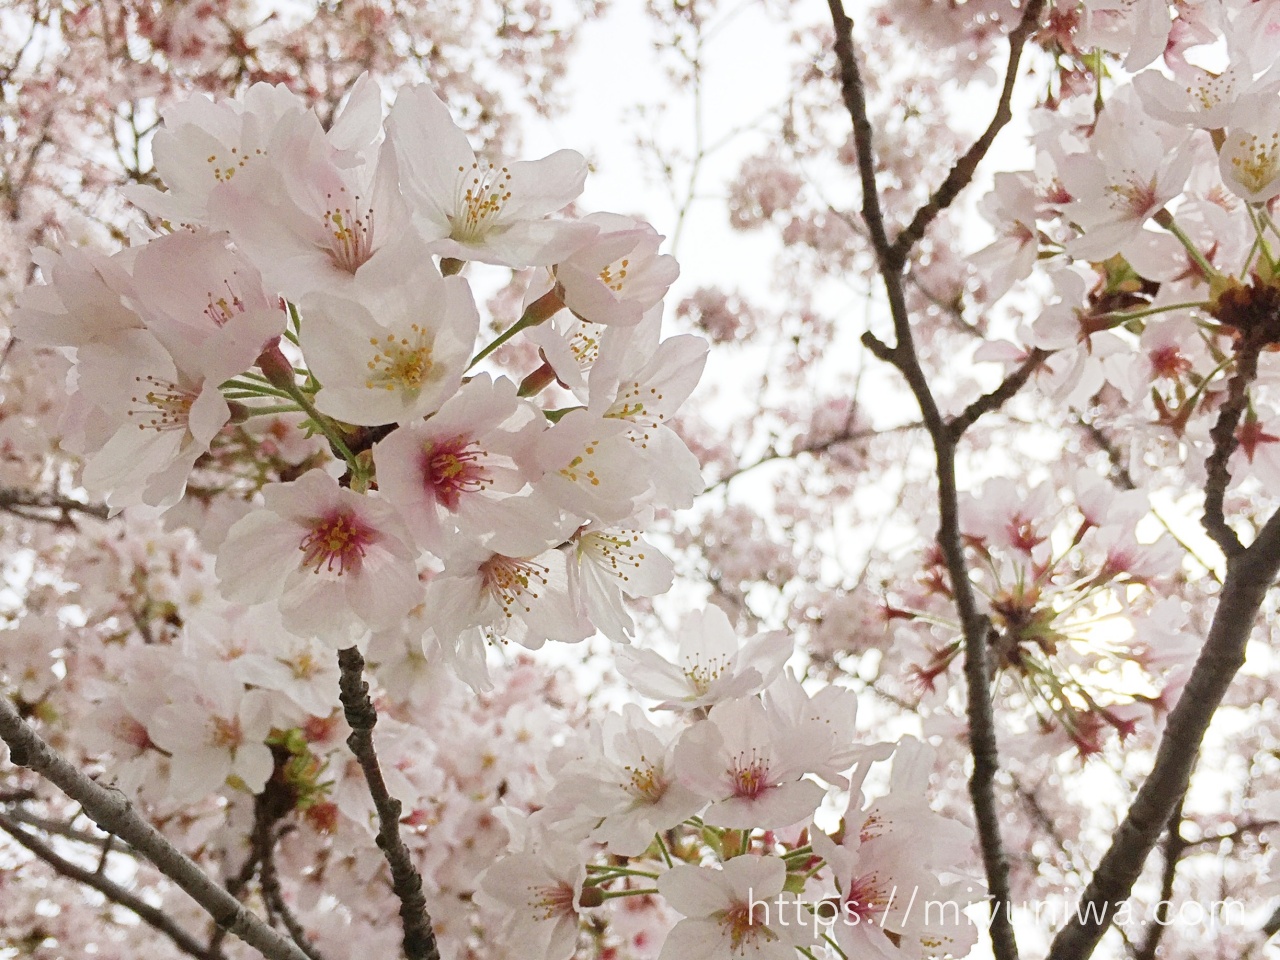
(332, 558)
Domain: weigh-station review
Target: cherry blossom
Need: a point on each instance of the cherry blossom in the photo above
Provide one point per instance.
(727, 911)
(474, 209)
(710, 666)
(395, 355)
(750, 761)
(332, 558)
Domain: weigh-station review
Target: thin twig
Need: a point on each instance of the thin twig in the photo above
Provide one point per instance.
(152, 916)
(962, 170)
(1173, 848)
(111, 811)
(266, 815)
(33, 505)
(1225, 443)
(406, 882)
(815, 449)
(997, 398)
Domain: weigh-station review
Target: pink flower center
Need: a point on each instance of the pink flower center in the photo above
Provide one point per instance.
(453, 467)
(336, 542)
(864, 899)
(552, 900)
(750, 776)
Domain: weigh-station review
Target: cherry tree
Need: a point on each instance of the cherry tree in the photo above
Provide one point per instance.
(374, 573)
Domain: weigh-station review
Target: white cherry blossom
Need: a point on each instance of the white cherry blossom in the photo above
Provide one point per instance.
(395, 354)
(473, 209)
(710, 664)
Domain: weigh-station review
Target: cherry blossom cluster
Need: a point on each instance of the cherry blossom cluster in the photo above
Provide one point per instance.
(714, 814)
(1151, 211)
(295, 270)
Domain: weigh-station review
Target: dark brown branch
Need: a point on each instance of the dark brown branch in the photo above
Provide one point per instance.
(1225, 443)
(998, 397)
(974, 625)
(1119, 473)
(1174, 846)
(406, 882)
(266, 815)
(235, 886)
(1250, 574)
(117, 894)
(111, 811)
(962, 171)
(48, 507)
(274, 898)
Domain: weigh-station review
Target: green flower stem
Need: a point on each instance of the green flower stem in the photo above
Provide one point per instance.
(1261, 221)
(1123, 316)
(834, 946)
(662, 846)
(615, 894)
(542, 309)
(329, 430)
(236, 385)
(267, 411)
(449, 266)
(619, 871)
(805, 851)
(1165, 219)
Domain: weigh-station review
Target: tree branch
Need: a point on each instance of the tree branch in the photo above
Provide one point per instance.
(904, 356)
(111, 811)
(406, 882)
(1173, 848)
(962, 171)
(1225, 443)
(52, 508)
(997, 398)
(152, 916)
(1250, 574)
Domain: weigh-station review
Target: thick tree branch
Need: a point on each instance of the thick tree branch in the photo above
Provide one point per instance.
(111, 811)
(1250, 574)
(904, 356)
(152, 916)
(406, 882)
(962, 171)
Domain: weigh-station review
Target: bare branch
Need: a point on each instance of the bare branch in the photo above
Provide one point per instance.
(406, 882)
(997, 398)
(962, 171)
(1173, 848)
(152, 916)
(111, 811)
(48, 507)
(1225, 443)
(904, 356)
(816, 449)
(1250, 575)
